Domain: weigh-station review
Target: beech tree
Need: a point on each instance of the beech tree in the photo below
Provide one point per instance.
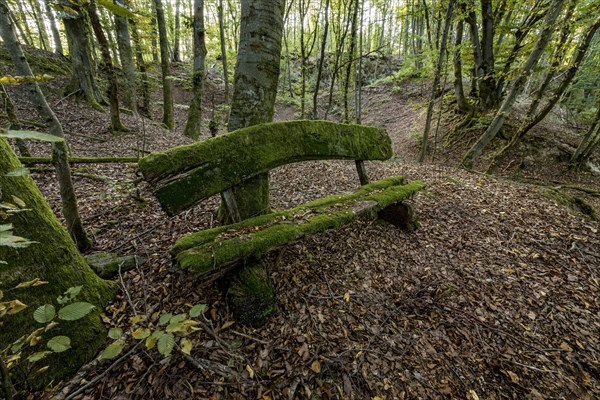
(168, 119)
(193, 124)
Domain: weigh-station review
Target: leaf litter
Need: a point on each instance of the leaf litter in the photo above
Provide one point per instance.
(495, 296)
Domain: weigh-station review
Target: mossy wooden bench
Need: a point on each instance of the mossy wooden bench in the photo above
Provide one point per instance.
(186, 175)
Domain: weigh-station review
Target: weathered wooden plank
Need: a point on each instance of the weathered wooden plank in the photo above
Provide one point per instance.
(210, 250)
(188, 174)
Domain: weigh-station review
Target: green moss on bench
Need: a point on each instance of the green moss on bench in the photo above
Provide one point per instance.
(188, 174)
(212, 249)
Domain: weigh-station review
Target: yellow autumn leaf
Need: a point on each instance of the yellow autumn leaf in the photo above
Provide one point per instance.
(227, 324)
(250, 371)
(1, 294)
(473, 395)
(141, 333)
(186, 346)
(347, 297)
(20, 203)
(34, 340)
(8, 80)
(150, 342)
(14, 307)
(136, 319)
(32, 283)
(513, 377)
(50, 326)
(377, 398)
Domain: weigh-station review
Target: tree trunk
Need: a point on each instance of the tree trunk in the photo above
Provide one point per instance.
(39, 20)
(461, 102)
(54, 259)
(436, 79)
(321, 62)
(350, 63)
(23, 16)
(488, 93)
(126, 57)
(516, 87)
(255, 89)
(176, 45)
(223, 50)
(59, 149)
(58, 49)
(113, 89)
(79, 50)
(194, 121)
(15, 124)
(145, 86)
(168, 119)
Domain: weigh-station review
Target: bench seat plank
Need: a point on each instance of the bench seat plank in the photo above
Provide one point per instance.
(188, 174)
(212, 249)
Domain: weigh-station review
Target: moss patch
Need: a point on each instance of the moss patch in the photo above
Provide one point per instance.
(251, 296)
(188, 174)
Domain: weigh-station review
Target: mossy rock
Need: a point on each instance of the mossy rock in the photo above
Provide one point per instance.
(250, 295)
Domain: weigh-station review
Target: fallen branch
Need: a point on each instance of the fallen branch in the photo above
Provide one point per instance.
(81, 160)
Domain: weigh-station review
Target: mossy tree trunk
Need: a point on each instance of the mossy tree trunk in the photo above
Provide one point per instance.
(194, 121)
(167, 120)
(58, 49)
(254, 90)
(79, 50)
(59, 149)
(54, 258)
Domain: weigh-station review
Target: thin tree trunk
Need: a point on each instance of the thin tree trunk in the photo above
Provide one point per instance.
(144, 84)
(58, 49)
(113, 89)
(321, 62)
(461, 102)
(589, 142)
(436, 79)
(351, 52)
(23, 16)
(488, 93)
(516, 87)
(194, 121)
(223, 50)
(358, 95)
(39, 20)
(177, 33)
(59, 150)
(168, 119)
(126, 57)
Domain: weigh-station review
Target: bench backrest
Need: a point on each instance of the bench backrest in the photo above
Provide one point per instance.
(185, 175)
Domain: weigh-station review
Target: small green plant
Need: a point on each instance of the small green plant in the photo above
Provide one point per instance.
(161, 331)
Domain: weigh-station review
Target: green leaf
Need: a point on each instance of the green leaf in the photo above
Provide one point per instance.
(44, 314)
(166, 343)
(198, 310)
(6, 227)
(58, 344)
(40, 355)
(178, 318)
(21, 171)
(113, 350)
(75, 311)
(165, 318)
(115, 333)
(32, 135)
(116, 9)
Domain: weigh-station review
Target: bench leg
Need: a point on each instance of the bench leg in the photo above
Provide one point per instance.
(250, 295)
(401, 215)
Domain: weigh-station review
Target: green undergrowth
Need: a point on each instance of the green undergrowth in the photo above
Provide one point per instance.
(573, 203)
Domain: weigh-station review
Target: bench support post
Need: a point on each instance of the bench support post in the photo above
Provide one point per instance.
(362, 172)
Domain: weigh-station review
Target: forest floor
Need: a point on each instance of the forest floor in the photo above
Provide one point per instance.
(495, 296)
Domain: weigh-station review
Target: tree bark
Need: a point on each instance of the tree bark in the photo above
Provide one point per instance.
(144, 84)
(255, 88)
(53, 258)
(516, 87)
(15, 124)
(194, 121)
(223, 50)
(59, 149)
(79, 49)
(461, 102)
(168, 119)
(39, 20)
(126, 57)
(113, 88)
(177, 33)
